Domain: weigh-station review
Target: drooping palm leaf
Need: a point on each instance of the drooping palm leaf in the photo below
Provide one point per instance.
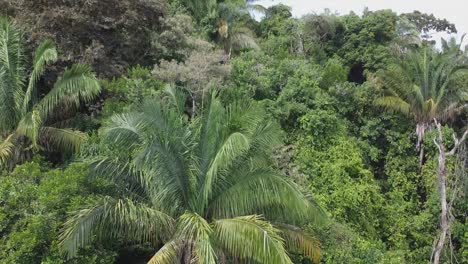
(63, 138)
(300, 241)
(168, 254)
(30, 126)
(45, 54)
(251, 238)
(123, 219)
(6, 149)
(11, 51)
(195, 229)
(77, 85)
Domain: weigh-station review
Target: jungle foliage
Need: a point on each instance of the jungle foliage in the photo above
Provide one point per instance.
(184, 131)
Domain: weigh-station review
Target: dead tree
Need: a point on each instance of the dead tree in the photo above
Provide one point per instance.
(445, 221)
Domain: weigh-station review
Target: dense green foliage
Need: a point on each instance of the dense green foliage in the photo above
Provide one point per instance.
(212, 137)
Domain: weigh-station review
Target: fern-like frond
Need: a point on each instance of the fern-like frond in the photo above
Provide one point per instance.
(45, 54)
(243, 38)
(395, 104)
(251, 238)
(204, 252)
(11, 51)
(30, 127)
(236, 144)
(125, 130)
(300, 241)
(177, 98)
(63, 139)
(77, 85)
(9, 93)
(6, 149)
(192, 226)
(115, 218)
(168, 254)
(263, 191)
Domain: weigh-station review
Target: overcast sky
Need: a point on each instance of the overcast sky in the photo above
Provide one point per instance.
(454, 11)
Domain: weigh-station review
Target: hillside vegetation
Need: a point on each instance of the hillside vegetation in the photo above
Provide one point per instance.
(182, 131)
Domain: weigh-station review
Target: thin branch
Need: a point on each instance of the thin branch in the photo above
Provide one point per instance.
(457, 143)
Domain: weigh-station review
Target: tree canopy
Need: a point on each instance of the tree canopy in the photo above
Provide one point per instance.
(222, 131)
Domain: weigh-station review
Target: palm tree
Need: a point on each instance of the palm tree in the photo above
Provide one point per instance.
(233, 26)
(202, 187)
(420, 85)
(28, 120)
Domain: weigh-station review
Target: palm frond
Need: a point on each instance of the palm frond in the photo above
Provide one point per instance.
(168, 254)
(251, 238)
(210, 134)
(300, 241)
(125, 130)
(243, 38)
(11, 51)
(77, 85)
(30, 127)
(6, 149)
(44, 55)
(236, 144)
(263, 191)
(177, 98)
(394, 103)
(8, 96)
(204, 252)
(192, 226)
(114, 218)
(64, 139)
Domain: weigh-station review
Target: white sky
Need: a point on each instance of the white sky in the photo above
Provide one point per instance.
(454, 11)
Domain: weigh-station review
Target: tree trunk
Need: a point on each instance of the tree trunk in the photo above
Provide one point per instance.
(445, 221)
(420, 131)
(194, 107)
(442, 185)
(187, 256)
(421, 155)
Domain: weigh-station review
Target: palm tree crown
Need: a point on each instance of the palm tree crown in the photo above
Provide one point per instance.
(25, 114)
(203, 187)
(420, 85)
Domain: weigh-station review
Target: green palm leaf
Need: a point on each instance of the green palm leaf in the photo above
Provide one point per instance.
(122, 217)
(168, 254)
(395, 104)
(251, 238)
(63, 138)
(11, 51)
(45, 54)
(300, 241)
(236, 144)
(77, 85)
(6, 149)
(29, 126)
(194, 228)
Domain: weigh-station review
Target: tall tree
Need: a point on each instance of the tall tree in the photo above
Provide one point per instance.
(29, 121)
(109, 35)
(420, 85)
(445, 218)
(234, 26)
(203, 187)
(428, 24)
